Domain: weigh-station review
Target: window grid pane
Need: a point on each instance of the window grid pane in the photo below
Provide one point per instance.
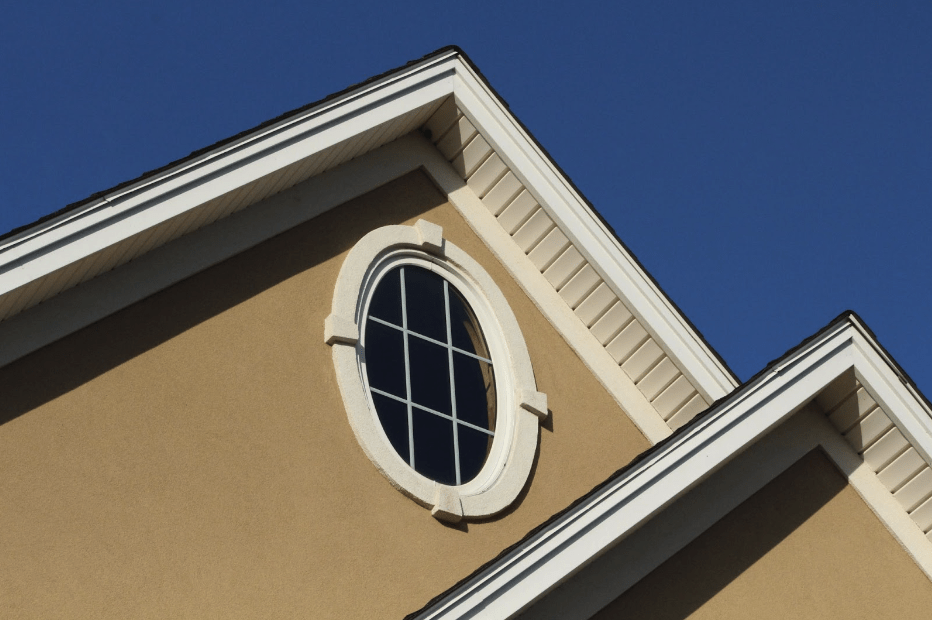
(376, 319)
(428, 410)
(425, 375)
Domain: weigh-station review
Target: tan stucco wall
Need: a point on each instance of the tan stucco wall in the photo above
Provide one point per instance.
(189, 457)
(804, 546)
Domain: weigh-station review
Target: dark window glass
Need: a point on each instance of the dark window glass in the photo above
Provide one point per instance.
(475, 391)
(430, 375)
(401, 362)
(386, 363)
(433, 447)
(425, 305)
(474, 448)
(394, 418)
(464, 328)
(386, 301)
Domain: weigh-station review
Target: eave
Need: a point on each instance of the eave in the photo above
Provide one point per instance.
(38, 262)
(571, 540)
(77, 245)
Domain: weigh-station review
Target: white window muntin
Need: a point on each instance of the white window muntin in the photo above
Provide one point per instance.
(491, 331)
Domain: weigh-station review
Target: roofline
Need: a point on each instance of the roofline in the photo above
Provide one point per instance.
(102, 198)
(153, 176)
(609, 228)
(554, 190)
(43, 251)
(284, 117)
(627, 499)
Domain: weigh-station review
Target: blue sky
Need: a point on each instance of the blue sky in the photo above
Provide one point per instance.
(771, 166)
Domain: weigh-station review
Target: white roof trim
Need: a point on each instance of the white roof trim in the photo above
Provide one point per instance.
(74, 236)
(80, 306)
(54, 248)
(622, 505)
(319, 122)
(589, 234)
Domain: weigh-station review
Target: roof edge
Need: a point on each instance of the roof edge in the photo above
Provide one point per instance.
(609, 228)
(828, 352)
(150, 175)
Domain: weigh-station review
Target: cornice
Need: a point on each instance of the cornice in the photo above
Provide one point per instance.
(628, 500)
(130, 210)
(118, 226)
(581, 223)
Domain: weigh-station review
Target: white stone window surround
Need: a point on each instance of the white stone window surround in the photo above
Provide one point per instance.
(519, 406)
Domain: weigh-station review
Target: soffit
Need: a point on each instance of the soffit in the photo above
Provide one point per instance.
(611, 319)
(443, 94)
(56, 254)
(841, 370)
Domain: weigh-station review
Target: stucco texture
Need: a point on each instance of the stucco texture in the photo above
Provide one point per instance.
(804, 546)
(190, 456)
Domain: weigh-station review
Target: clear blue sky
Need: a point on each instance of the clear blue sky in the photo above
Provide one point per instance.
(770, 165)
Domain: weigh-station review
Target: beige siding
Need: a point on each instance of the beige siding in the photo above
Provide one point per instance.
(190, 456)
(804, 546)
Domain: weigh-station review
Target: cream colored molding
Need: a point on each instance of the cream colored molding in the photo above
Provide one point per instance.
(106, 294)
(542, 293)
(631, 500)
(535, 402)
(573, 216)
(340, 329)
(77, 247)
(64, 251)
(519, 405)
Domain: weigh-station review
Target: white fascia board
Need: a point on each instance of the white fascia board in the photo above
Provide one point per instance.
(898, 398)
(624, 504)
(129, 211)
(52, 245)
(590, 235)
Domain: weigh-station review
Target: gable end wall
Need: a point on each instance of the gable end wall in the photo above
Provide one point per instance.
(190, 455)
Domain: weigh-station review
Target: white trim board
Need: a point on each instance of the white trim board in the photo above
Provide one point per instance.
(93, 300)
(581, 285)
(622, 505)
(51, 249)
(635, 557)
(587, 232)
(53, 256)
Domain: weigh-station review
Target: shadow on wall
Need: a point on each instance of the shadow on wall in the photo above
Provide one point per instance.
(77, 359)
(691, 578)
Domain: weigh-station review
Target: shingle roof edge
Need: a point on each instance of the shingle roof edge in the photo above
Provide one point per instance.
(848, 316)
(297, 111)
(225, 141)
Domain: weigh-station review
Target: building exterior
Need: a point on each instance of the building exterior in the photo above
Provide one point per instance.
(379, 358)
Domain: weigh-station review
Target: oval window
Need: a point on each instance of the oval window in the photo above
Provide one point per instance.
(429, 374)
(434, 372)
